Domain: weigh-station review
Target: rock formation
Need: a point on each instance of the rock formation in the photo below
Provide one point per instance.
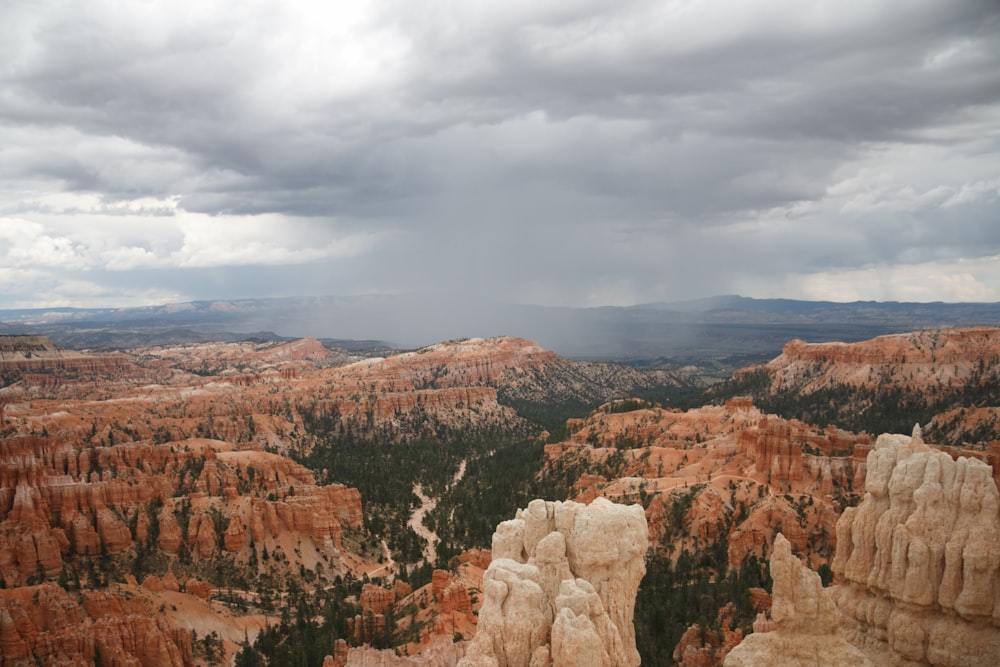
(918, 560)
(40, 362)
(442, 652)
(46, 625)
(561, 587)
(54, 506)
(447, 608)
(376, 599)
(753, 472)
(803, 629)
(919, 373)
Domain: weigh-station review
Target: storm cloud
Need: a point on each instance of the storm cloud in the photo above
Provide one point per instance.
(560, 153)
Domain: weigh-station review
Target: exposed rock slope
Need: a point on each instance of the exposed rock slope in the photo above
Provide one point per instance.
(561, 587)
(46, 625)
(36, 360)
(194, 500)
(887, 383)
(919, 559)
(739, 475)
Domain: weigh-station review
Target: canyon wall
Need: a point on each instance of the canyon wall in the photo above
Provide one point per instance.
(59, 502)
(947, 379)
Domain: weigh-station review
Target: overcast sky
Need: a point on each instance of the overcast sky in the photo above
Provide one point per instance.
(561, 153)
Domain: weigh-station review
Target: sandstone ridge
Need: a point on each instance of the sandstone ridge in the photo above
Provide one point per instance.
(561, 587)
(947, 378)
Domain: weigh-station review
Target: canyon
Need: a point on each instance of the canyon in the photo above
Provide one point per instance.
(184, 500)
(175, 463)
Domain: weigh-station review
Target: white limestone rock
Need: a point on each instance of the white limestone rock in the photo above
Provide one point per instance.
(803, 630)
(918, 561)
(561, 588)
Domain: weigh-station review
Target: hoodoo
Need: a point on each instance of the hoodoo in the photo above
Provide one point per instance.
(919, 558)
(561, 588)
(803, 628)
(917, 567)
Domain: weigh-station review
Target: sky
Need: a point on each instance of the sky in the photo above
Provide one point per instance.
(520, 151)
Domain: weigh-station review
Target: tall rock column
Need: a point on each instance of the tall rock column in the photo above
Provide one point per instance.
(803, 628)
(561, 587)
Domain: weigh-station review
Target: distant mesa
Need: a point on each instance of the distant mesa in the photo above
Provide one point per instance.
(24, 353)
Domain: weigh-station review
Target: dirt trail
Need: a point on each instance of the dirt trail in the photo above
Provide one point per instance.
(427, 504)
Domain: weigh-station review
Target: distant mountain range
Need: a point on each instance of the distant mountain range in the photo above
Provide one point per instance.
(725, 331)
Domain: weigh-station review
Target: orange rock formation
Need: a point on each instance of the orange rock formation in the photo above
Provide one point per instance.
(760, 472)
(45, 623)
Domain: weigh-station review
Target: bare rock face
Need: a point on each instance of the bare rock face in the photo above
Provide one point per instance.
(201, 589)
(919, 558)
(561, 587)
(803, 631)
(376, 599)
(46, 625)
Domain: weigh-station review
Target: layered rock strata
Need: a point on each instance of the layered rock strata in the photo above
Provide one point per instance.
(561, 587)
(919, 559)
(58, 502)
(46, 625)
(733, 468)
(803, 629)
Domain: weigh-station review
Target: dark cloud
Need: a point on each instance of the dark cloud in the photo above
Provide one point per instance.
(574, 153)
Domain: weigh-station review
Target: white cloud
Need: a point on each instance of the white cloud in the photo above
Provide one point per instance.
(977, 191)
(263, 240)
(43, 288)
(113, 244)
(969, 281)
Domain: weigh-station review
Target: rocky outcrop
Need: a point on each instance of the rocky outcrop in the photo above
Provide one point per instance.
(952, 352)
(561, 587)
(803, 628)
(920, 375)
(198, 588)
(447, 607)
(45, 625)
(59, 501)
(376, 599)
(443, 652)
(44, 363)
(737, 473)
(790, 451)
(919, 559)
(700, 647)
